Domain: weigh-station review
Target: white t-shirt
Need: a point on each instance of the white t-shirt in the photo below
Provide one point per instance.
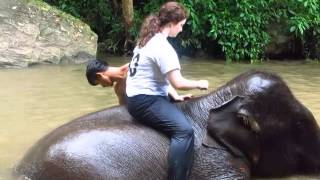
(149, 67)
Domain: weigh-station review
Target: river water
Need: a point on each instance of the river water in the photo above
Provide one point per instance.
(36, 100)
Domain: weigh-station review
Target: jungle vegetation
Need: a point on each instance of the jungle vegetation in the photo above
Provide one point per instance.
(234, 30)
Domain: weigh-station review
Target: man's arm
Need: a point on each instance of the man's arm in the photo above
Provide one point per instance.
(120, 86)
(119, 89)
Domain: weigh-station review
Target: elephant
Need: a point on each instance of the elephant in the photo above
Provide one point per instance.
(278, 136)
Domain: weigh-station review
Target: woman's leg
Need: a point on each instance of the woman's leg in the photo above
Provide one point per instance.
(159, 113)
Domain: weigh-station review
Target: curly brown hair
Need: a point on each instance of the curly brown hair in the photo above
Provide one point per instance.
(170, 12)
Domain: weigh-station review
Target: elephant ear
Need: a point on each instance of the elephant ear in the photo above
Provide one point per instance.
(227, 103)
(209, 142)
(232, 126)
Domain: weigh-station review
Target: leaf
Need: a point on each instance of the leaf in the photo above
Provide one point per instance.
(292, 29)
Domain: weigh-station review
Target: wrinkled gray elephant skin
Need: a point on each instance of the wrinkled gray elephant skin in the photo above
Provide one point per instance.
(279, 135)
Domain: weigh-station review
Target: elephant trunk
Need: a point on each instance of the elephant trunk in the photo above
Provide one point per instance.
(313, 156)
(310, 132)
(197, 109)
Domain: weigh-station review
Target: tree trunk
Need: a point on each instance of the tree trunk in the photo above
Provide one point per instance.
(127, 13)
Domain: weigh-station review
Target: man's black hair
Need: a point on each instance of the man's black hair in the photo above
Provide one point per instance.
(95, 66)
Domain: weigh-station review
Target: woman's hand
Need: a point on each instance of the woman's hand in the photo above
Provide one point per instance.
(183, 97)
(203, 84)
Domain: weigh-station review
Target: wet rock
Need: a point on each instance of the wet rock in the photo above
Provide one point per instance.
(33, 32)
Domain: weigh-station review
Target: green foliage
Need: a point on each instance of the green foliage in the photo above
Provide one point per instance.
(303, 17)
(196, 27)
(141, 10)
(239, 27)
(304, 14)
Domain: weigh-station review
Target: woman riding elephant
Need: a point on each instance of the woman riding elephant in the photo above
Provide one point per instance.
(110, 144)
(154, 66)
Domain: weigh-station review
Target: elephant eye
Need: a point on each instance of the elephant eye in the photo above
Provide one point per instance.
(244, 119)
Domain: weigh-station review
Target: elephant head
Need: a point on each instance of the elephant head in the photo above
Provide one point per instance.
(282, 132)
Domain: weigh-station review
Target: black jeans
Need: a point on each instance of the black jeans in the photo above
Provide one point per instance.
(157, 112)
